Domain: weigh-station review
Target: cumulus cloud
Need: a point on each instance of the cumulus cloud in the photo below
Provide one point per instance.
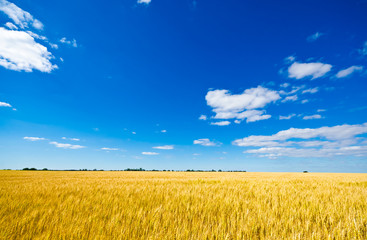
(34, 138)
(165, 147)
(315, 116)
(150, 153)
(221, 123)
(69, 42)
(19, 51)
(314, 36)
(315, 70)
(241, 106)
(66, 145)
(206, 142)
(20, 17)
(144, 1)
(4, 104)
(164, 131)
(348, 71)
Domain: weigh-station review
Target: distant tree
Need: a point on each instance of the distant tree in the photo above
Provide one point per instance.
(219, 170)
(305, 171)
(44, 169)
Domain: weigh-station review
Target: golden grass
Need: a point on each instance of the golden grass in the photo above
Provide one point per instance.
(182, 205)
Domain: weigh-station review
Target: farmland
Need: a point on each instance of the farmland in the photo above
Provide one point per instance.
(182, 205)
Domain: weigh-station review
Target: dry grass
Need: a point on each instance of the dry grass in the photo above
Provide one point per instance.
(181, 205)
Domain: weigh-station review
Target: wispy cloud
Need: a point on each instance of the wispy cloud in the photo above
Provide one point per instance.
(206, 142)
(314, 36)
(165, 147)
(311, 90)
(203, 117)
(66, 145)
(34, 139)
(287, 117)
(348, 71)
(110, 149)
(290, 98)
(363, 50)
(69, 42)
(144, 1)
(71, 139)
(339, 140)
(150, 153)
(315, 116)
(221, 123)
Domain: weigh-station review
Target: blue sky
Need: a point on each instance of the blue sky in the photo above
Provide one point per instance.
(249, 85)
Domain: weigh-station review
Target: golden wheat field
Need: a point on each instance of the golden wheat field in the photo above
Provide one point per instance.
(182, 205)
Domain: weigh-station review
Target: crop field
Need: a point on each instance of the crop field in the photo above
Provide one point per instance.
(182, 205)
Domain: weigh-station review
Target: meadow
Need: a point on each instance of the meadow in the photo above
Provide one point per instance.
(182, 205)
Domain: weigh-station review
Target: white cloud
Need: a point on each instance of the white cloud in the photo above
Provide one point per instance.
(11, 26)
(203, 117)
(164, 131)
(284, 85)
(66, 145)
(69, 42)
(149, 153)
(315, 116)
(20, 17)
(71, 139)
(55, 46)
(290, 98)
(237, 121)
(19, 51)
(110, 149)
(133, 133)
(311, 90)
(304, 101)
(314, 36)
(363, 51)
(206, 142)
(348, 71)
(144, 1)
(241, 106)
(315, 70)
(165, 147)
(4, 104)
(34, 138)
(221, 123)
(321, 110)
(290, 59)
(338, 133)
(287, 117)
(36, 36)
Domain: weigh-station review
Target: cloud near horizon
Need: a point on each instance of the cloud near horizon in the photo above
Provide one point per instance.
(340, 140)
